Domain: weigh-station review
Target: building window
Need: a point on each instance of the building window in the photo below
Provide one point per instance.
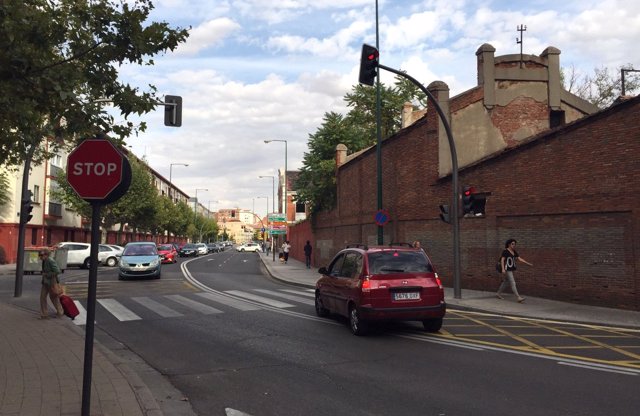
(300, 207)
(34, 236)
(36, 193)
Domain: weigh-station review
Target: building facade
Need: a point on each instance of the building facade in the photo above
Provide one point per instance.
(564, 181)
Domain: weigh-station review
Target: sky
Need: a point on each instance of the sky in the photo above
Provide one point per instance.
(256, 70)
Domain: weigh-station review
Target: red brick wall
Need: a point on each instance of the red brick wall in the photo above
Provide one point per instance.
(570, 197)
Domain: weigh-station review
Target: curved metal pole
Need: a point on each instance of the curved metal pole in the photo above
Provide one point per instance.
(457, 293)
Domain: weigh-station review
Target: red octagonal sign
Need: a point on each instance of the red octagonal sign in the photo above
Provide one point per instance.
(94, 169)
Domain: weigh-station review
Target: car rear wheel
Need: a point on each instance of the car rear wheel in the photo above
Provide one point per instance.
(357, 325)
(112, 261)
(87, 263)
(321, 311)
(432, 325)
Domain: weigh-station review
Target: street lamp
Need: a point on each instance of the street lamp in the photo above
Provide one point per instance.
(273, 191)
(170, 171)
(284, 176)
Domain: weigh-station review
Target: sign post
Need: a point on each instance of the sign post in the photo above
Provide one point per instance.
(99, 173)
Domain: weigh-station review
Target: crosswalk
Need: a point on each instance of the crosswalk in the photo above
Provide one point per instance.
(136, 308)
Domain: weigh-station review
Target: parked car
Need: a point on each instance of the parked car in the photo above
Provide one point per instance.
(109, 254)
(251, 246)
(79, 254)
(168, 253)
(382, 283)
(213, 248)
(188, 250)
(202, 248)
(140, 259)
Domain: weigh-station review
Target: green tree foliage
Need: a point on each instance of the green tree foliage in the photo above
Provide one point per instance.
(57, 57)
(602, 87)
(4, 189)
(356, 130)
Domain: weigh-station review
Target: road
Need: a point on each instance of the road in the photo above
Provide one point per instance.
(228, 337)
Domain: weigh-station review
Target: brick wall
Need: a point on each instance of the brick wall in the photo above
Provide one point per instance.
(570, 197)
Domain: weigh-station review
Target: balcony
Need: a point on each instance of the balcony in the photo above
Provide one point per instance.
(55, 209)
(54, 170)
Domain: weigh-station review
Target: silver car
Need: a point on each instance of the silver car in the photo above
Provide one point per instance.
(140, 259)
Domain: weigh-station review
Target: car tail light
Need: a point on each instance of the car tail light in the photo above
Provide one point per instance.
(438, 281)
(365, 285)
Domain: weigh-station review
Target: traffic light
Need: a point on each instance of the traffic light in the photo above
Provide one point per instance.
(473, 202)
(444, 213)
(27, 207)
(467, 200)
(368, 64)
(173, 111)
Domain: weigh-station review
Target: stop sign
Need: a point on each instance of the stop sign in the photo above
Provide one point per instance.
(95, 169)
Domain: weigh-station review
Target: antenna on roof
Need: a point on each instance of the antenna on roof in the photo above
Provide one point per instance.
(521, 29)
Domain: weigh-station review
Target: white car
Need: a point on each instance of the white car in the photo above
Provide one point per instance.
(79, 254)
(202, 248)
(249, 247)
(109, 254)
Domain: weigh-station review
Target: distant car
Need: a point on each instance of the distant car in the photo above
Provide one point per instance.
(140, 259)
(367, 284)
(109, 254)
(213, 248)
(202, 248)
(79, 254)
(168, 253)
(188, 250)
(251, 246)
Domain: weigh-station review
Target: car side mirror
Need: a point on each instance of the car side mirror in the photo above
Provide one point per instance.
(323, 270)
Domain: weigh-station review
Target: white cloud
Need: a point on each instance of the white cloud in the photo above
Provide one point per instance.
(212, 32)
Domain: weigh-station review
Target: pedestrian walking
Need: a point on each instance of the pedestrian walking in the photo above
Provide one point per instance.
(307, 253)
(508, 261)
(50, 285)
(285, 251)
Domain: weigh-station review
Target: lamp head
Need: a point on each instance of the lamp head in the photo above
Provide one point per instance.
(267, 141)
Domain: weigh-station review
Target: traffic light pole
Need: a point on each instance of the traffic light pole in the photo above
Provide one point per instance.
(22, 224)
(455, 221)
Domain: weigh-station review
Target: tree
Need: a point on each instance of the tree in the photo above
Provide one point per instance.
(4, 189)
(137, 208)
(603, 87)
(357, 130)
(60, 56)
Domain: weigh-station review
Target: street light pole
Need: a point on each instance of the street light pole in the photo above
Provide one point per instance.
(284, 176)
(171, 165)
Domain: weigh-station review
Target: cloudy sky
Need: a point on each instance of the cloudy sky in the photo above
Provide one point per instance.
(254, 70)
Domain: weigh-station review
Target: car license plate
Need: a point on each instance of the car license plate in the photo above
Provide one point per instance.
(406, 296)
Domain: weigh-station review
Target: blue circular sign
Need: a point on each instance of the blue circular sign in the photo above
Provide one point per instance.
(382, 217)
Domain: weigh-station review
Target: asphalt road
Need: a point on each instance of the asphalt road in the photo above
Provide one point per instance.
(227, 337)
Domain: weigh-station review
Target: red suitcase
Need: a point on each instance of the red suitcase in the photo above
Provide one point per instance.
(70, 308)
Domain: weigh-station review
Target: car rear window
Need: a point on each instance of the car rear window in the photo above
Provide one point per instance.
(392, 261)
(164, 247)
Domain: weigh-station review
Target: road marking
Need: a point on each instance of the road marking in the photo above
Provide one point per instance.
(308, 292)
(294, 298)
(226, 300)
(197, 306)
(590, 367)
(81, 319)
(261, 299)
(118, 310)
(157, 307)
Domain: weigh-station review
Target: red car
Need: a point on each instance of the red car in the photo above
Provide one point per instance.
(381, 283)
(168, 253)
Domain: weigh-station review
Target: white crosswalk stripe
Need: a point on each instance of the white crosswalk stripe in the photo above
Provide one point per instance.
(294, 298)
(164, 310)
(261, 299)
(226, 300)
(118, 310)
(197, 306)
(81, 319)
(157, 307)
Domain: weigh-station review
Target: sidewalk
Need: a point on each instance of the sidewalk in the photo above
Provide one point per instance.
(41, 365)
(295, 272)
